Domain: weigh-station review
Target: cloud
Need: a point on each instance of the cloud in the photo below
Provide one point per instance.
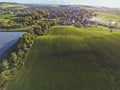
(56, 1)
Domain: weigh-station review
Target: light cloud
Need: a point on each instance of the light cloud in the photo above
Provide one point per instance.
(56, 1)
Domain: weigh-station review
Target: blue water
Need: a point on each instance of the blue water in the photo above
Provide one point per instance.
(7, 39)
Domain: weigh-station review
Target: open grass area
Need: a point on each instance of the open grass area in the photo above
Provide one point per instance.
(69, 58)
(23, 29)
(5, 17)
(106, 17)
(5, 6)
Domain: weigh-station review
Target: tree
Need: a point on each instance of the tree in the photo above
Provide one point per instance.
(5, 64)
(20, 53)
(37, 30)
(14, 56)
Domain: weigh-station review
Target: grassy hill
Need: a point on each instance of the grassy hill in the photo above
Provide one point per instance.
(5, 5)
(4, 16)
(107, 17)
(69, 58)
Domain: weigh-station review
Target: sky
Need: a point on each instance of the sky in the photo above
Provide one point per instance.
(106, 3)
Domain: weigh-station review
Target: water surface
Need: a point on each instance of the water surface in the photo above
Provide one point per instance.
(7, 39)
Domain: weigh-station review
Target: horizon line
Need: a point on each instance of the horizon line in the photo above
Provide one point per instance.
(59, 4)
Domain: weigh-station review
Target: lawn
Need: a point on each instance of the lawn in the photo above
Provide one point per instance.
(23, 29)
(69, 58)
(106, 17)
(5, 17)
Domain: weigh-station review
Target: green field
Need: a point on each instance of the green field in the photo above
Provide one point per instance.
(107, 17)
(5, 6)
(24, 29)
(69, 58)
(5, 17)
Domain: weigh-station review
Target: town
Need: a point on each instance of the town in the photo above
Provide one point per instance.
(59, 45)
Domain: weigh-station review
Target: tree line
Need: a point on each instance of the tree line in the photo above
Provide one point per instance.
(15, 60)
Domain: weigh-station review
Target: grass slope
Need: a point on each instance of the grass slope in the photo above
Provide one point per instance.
(4, 16)
(5, 6)
(68, 58)
(107, 17)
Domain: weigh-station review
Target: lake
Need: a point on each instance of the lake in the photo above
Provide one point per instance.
(7, 39)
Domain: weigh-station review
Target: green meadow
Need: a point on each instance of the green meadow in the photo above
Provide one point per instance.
(5, 17)
(107, 17)
(69, 58)
(5, 6)
(112, 16)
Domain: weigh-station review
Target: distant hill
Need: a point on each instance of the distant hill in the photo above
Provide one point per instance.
(69, 58)
(8, 3)
(105, 17)
(5, 5)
